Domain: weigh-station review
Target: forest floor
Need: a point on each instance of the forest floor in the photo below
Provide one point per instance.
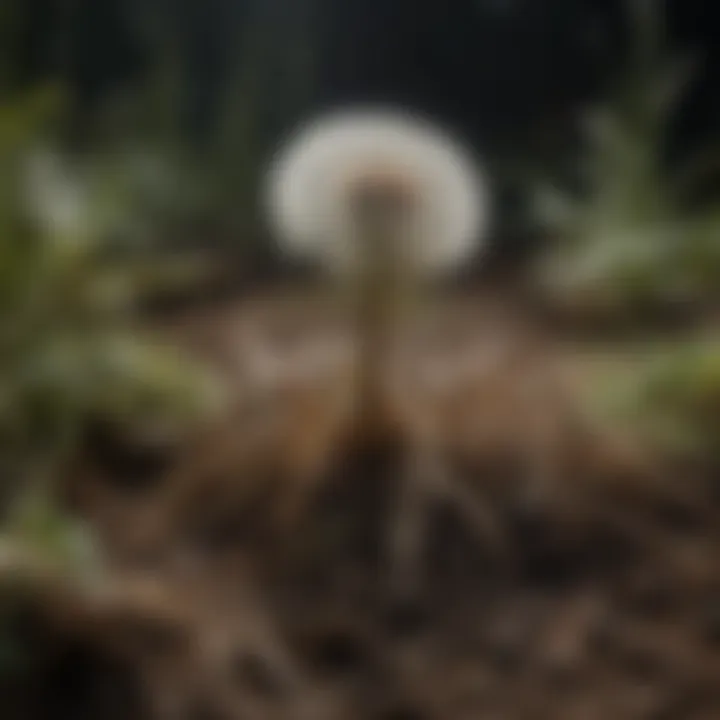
(561, 572)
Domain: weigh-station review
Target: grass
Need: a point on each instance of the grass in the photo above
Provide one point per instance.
(71, 347)
(666, 393)
(628, 237)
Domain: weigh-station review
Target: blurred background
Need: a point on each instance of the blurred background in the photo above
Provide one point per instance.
(210, 88)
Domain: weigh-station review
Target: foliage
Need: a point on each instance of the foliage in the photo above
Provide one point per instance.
(628, 238)
(70, 349)
(683, 384)
(669, 393)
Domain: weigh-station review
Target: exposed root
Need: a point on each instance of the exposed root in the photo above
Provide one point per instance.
(425, 483)
(552, 566)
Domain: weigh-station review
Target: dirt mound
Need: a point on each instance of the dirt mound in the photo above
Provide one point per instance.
(535, 567)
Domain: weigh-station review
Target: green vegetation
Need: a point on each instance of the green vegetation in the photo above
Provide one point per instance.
(666, 393)
(630, 239)
(70, 347)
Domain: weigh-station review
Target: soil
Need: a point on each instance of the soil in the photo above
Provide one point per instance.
(276, 564)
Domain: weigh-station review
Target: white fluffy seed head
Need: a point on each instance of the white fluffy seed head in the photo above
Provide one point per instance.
(311, 179)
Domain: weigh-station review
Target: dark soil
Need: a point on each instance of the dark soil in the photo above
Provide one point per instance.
(562, 573)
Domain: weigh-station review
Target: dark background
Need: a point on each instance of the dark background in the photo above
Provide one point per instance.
(493, 67)
(509, 75)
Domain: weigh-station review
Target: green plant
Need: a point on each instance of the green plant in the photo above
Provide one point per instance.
(629, 238)
(667, 393)
(70, 347)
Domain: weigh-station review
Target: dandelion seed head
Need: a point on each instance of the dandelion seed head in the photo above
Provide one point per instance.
(377, 156)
